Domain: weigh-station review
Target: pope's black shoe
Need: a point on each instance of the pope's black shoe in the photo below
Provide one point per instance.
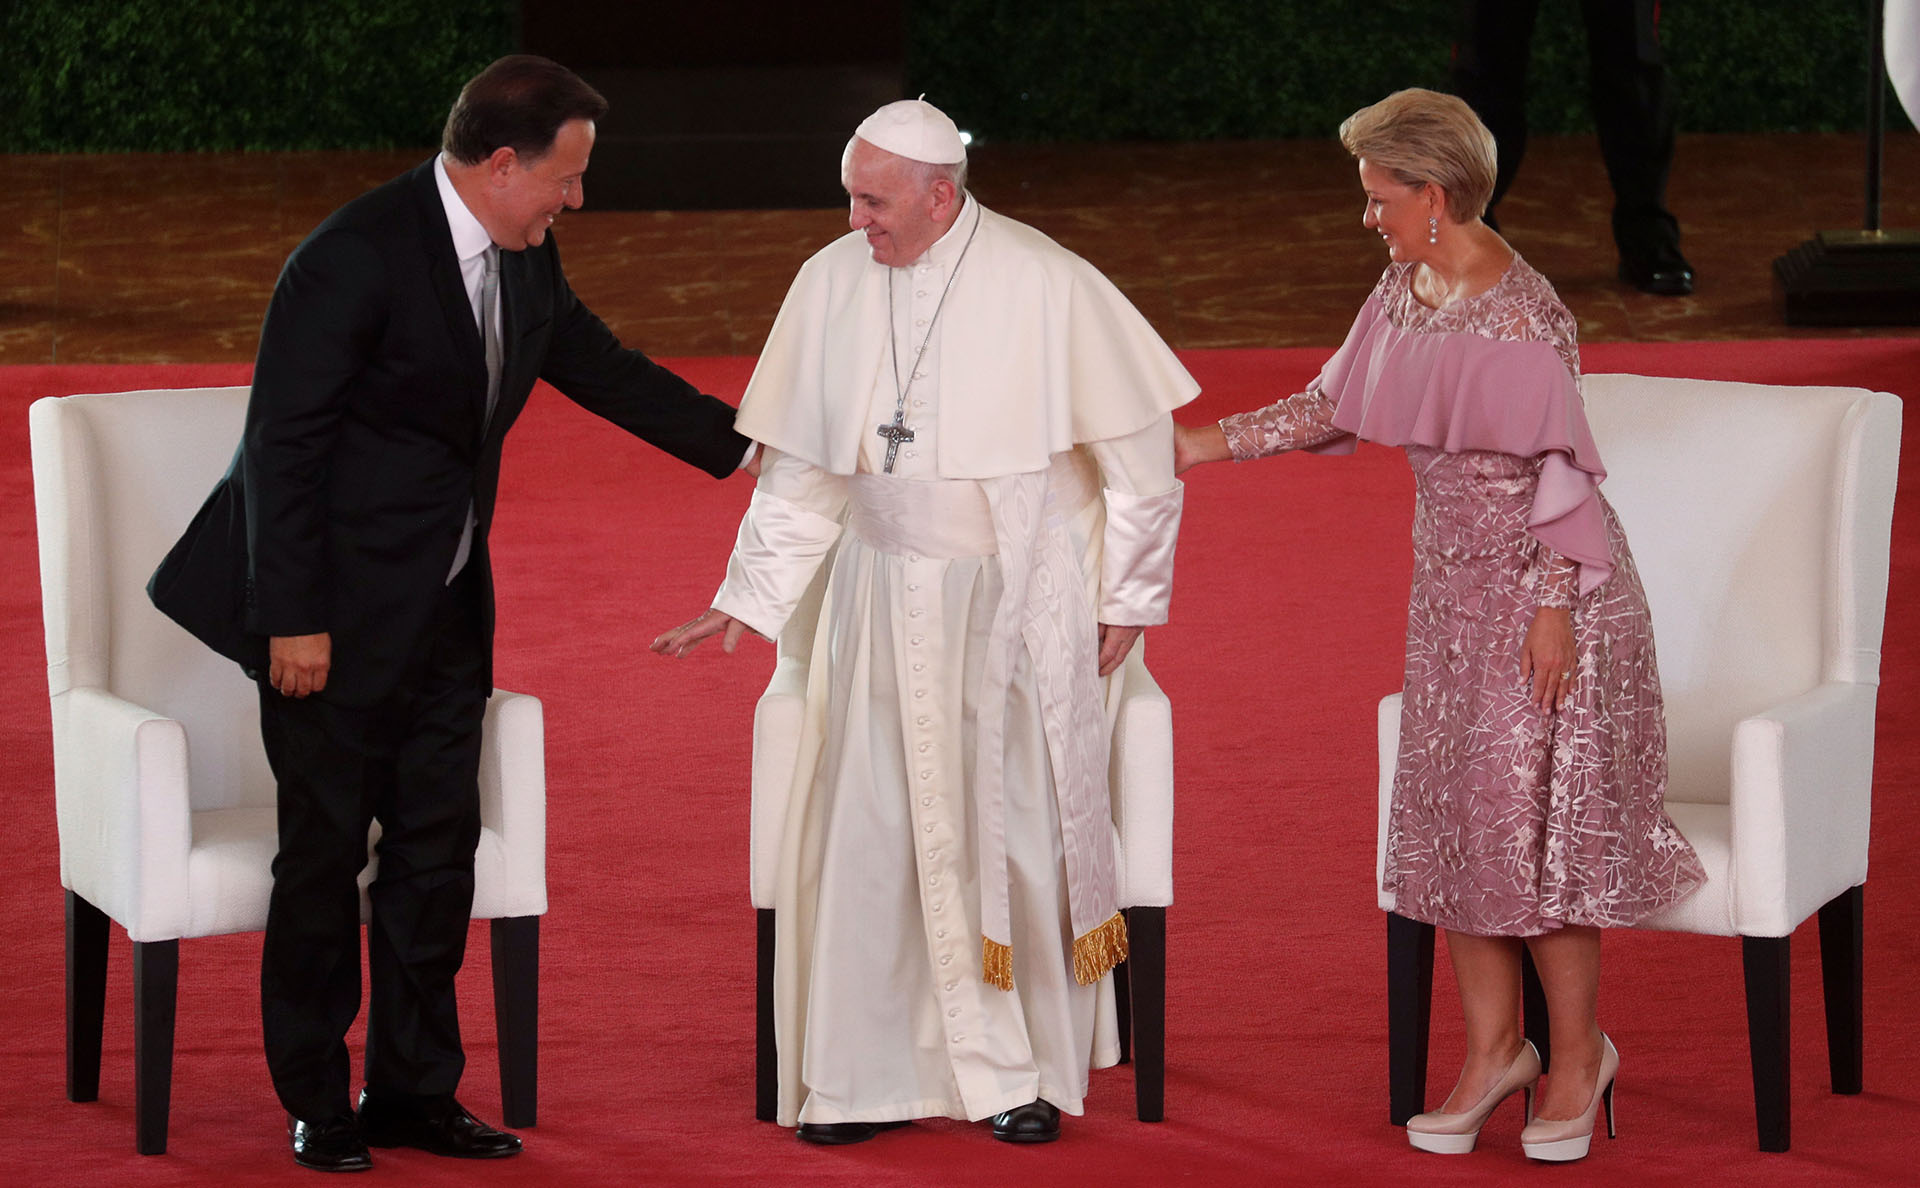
(839, 1134)
(1035, 1122)
(443, 1130)
(334, 1146)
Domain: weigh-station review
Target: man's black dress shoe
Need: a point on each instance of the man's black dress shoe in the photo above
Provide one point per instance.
(1035, 1122)
(334, 1146)
(839, 1134)
(448, 1130)
(1665, 273)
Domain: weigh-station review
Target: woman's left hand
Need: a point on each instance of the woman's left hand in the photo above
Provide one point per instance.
(1547, 658)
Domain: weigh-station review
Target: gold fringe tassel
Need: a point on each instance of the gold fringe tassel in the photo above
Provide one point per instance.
(996, 963)
(1100, 950)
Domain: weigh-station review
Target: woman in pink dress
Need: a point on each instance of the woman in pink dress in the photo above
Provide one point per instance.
(1527, 801)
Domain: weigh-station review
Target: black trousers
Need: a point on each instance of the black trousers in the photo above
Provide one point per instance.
(1628, 87)
(412, 764)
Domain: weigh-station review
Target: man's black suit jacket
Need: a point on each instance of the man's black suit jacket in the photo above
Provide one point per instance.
(367, 439)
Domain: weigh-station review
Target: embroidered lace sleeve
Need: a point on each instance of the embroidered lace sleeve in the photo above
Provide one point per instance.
(1296, 423)
(1555, 579)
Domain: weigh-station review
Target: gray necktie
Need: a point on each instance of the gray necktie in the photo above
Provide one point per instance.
(490, 327)
(490, 344)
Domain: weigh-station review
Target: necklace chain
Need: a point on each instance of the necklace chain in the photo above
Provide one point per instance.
(897, 431)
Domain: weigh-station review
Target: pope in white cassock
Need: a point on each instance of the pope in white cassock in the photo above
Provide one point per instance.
(980, 422)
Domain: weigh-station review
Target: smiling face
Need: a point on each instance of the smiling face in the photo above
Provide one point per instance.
(891, 201)
(524, 195)
(1399, 212)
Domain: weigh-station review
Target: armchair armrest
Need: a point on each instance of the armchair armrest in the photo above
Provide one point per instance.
(513, 785)
(1387, 726)
(125, 816)
(777, 720)
(1141, 779)
(1802, 790)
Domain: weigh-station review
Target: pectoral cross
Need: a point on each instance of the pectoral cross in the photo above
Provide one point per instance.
(895, 433)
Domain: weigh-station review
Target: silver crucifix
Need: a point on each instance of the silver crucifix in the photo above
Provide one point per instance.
(895, 434)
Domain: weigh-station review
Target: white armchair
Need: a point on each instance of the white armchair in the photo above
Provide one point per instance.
(1141, 779)
(164, 801)
(1759, 518)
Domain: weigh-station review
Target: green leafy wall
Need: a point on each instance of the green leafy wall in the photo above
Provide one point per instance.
(238, 74)
(108, 75)
(1196, 69)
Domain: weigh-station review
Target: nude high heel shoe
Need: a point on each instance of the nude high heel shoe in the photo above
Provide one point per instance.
(1567, 1140)
(1454, 1134)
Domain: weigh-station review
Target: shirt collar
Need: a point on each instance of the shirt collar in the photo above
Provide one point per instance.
(469, 237)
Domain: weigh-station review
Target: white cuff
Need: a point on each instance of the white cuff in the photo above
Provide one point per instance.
(774, 558)
(1136, 567)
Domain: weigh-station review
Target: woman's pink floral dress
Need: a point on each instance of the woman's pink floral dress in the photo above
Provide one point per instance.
(1507, 821)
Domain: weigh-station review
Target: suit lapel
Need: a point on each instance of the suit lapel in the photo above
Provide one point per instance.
(443, 269)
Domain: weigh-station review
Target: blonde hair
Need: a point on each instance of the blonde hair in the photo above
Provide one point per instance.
(1422, 136)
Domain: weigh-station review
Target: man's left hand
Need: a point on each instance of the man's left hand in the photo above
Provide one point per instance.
(1115, 643)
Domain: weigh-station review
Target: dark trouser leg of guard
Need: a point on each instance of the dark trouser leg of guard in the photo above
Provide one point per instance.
(1633, 112)
(1490, 73)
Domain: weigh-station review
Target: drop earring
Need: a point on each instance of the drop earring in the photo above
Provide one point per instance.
(1433, 230)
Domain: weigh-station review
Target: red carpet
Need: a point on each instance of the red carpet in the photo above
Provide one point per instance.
(1287, 628)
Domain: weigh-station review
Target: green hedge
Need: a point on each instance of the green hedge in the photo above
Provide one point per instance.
(1198, 69)
(277, 74)
(239, 74)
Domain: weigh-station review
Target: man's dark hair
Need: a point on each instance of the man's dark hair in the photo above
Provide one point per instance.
(519, 102)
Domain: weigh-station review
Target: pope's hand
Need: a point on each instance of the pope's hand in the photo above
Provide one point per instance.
(1115, 643)
(688, 636)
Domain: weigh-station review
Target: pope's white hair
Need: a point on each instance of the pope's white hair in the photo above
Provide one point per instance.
(928, 171)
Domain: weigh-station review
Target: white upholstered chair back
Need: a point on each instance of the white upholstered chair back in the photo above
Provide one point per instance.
(131, 468)
(1743, 505)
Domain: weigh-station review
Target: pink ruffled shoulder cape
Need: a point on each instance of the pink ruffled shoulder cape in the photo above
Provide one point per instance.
(1455, 391)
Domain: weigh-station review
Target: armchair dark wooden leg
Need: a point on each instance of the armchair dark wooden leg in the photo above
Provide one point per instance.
(86, 996)
(1409, 1014)
(1147, 987)
(515, 942)
(1765, 959)
(1533, 1007)
(1840, 976)
(1123, 1009)
(766, 1052)
(156, 980)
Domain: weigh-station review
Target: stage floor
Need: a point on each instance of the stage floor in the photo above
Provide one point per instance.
(143, 258)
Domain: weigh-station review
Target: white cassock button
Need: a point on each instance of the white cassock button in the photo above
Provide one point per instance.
(946, 958)
(919, 693)
(919, 668)
(921, 720)
(913, 556)
(921, 293)
(933, 880)
(924, 747)
(917, 640)
(959, 1039)
(953, 1013)
(927, 800)
(951, 985)
(916, 612)
(941, 933)
(927, 828)
(913, 589)
(920, 321)
(932, 854)
(926, 775)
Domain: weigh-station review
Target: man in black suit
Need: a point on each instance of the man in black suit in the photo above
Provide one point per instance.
(343, 562)
(1632, 109)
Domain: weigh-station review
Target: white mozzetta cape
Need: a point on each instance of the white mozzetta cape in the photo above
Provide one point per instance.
(1038, 352)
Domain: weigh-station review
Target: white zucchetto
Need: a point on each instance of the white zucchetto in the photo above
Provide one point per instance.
(916, 130)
